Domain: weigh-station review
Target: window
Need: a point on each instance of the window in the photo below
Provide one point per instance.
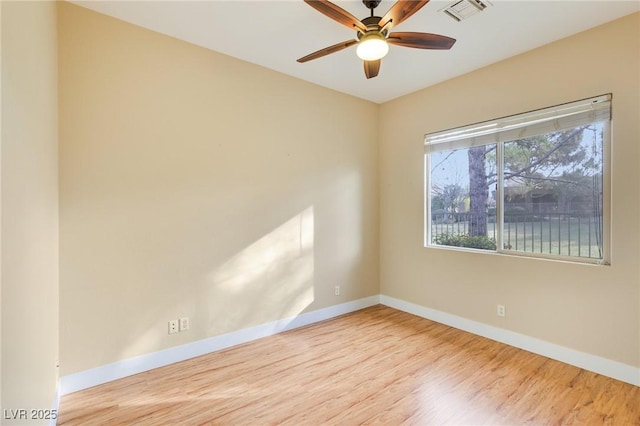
(532, 184)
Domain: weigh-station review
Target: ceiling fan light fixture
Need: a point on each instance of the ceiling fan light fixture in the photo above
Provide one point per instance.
(373, 32)
(372, 47)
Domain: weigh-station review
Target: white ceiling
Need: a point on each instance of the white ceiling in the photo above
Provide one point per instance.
(274, 34)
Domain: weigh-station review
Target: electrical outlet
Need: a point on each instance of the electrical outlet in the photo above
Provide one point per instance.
(501, 311)
(184, 323)
(173, 326)
(336, 290)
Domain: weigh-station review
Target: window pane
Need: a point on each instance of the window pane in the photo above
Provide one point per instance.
(462, 197)
(553, 193)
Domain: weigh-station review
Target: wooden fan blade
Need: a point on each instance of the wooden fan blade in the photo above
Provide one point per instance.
(337, 13)
(401, 11)
(371, 68)
(327, 50)
(421, 40)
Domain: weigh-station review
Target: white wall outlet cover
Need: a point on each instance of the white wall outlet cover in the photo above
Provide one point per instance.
(184, 323)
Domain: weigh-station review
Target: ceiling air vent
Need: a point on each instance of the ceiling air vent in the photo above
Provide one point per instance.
(464, 9)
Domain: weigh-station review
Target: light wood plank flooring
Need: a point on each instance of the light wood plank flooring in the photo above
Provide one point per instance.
(375, 366)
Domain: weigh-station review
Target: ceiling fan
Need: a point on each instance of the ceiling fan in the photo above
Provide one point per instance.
(373, 36)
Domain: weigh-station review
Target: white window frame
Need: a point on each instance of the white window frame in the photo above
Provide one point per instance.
(499, 131)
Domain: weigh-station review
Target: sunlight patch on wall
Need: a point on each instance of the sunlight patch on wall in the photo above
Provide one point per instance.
(270, 279)
(285, 248)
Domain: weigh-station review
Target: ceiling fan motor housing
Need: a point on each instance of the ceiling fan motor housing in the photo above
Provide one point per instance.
(372, 21)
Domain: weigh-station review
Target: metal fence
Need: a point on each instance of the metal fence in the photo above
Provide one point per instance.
(565, 234)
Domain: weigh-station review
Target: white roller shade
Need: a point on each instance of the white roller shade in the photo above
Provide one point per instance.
(542, 121)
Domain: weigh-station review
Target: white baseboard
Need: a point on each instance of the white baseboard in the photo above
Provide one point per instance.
(93, 377)
(596, 364)
(117, 370)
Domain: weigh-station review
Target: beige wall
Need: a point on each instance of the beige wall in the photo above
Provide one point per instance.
(594, 309)
(194, 184)
(29, 206)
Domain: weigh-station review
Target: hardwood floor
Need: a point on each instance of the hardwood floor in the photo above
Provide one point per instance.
(375, 366)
